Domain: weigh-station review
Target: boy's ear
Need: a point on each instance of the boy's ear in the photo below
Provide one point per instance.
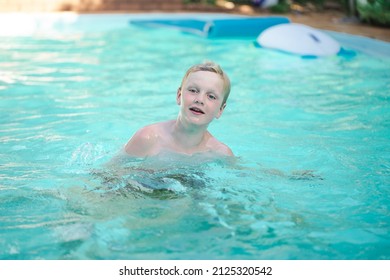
(221, 111)
(178, 96)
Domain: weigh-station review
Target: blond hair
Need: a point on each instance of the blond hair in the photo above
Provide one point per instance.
(211, 66)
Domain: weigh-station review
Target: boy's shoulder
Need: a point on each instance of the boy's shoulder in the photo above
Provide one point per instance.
(148, 140)
(152, 128)
(224, 150)
(219, 147)
(144, 141)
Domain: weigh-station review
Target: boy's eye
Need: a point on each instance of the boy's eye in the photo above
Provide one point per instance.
(212, 96)
(192, 90)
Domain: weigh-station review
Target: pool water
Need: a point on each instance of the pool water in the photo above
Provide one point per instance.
(311, 136)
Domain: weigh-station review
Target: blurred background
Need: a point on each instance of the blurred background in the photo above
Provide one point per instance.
(369, 18)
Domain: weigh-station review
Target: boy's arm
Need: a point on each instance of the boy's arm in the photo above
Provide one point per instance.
(142, 143)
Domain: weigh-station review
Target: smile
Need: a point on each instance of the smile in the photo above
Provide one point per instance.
(196, 110)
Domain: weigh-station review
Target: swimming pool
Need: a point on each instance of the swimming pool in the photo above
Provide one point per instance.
(311, 137)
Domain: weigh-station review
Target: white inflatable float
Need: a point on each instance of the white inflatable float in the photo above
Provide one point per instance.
(298, 39)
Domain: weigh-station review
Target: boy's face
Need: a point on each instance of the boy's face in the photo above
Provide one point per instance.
(200, 97)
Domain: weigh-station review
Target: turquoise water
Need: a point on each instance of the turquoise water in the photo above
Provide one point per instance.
(311, 138)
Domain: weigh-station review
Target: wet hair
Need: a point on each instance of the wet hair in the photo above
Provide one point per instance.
(211, 66)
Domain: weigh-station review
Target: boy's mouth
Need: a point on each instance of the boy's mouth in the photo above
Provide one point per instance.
(196, 110)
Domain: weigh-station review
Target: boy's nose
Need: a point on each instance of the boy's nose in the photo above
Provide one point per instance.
(200, 99)
(197, 101)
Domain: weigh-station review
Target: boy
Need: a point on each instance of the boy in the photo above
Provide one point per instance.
(202, 97)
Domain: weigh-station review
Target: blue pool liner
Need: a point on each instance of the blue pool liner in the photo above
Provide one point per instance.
(216, 28)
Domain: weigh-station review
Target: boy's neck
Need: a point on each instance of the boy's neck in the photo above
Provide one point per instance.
(188, 136)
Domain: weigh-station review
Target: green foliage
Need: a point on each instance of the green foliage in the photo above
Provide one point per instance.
(375, 12)
(281, 8)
